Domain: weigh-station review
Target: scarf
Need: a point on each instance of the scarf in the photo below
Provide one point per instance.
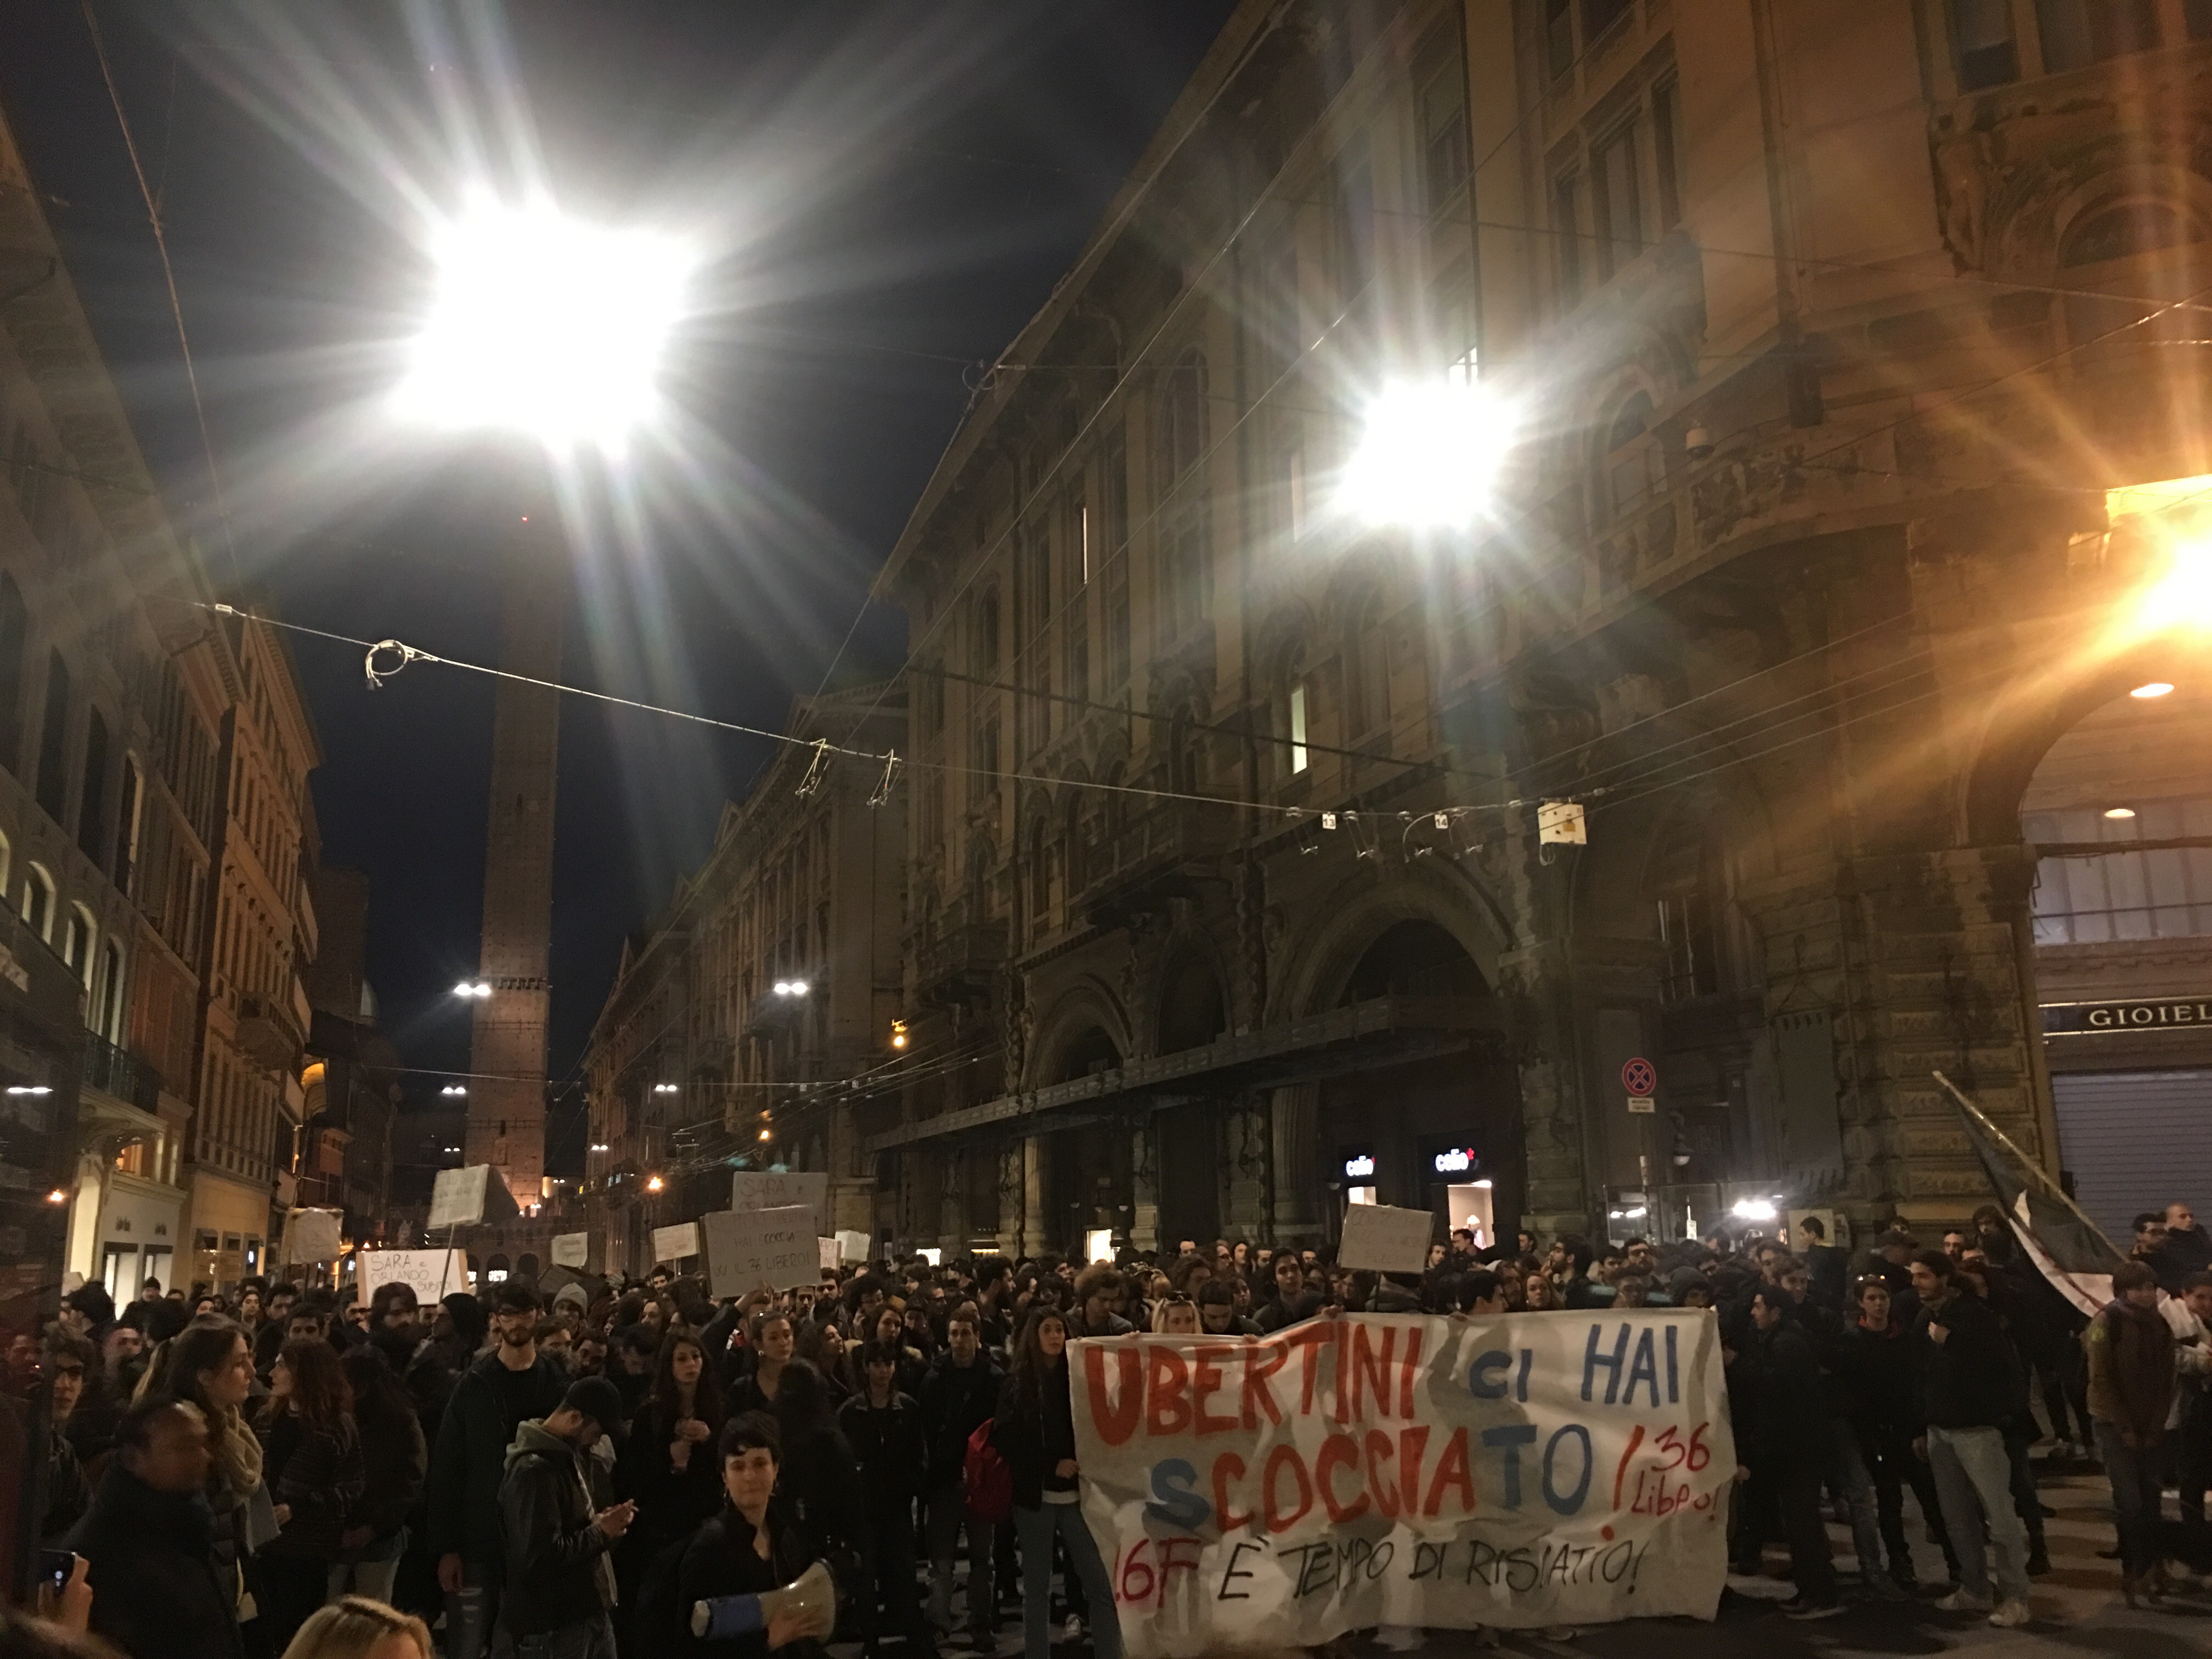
(236, 1452)
(2143, 1365)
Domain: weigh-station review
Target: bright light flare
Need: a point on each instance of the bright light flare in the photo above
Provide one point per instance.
(1429, 456)
(1753, 1209)
(545, 325)
(2152, 689)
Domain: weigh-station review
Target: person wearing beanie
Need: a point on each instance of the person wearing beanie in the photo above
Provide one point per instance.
(560, 1527)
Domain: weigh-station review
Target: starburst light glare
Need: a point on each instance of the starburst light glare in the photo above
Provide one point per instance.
(545, 325)
(1429, 455)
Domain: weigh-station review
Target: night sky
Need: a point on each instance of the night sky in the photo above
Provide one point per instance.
(882, 195)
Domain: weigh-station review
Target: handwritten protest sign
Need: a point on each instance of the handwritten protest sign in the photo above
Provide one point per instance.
(571, 1249)
(747, 1248)
(1521, 1471)
(776, 1189)
(852, 1244)
(1384, 1239)
(672, 1244)
(832, 1256)
(431, 1274)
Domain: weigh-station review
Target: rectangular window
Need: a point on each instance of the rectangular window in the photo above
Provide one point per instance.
(53, 741)
(1599, 15)
(1981, 35)
(1667, 137)
(983, 757)
(92, 798)
(1567, 228)
(1443, 131)
(1559, 38)
(1619, 213)
(1298, 727)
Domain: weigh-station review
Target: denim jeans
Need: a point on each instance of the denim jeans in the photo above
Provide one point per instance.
(472, 1616)
(1973, 1484)
(1845, 1473)
(371, 1579)
(1036, 1529)
(2134, 1473)
(592, 1640)
(948, 1516)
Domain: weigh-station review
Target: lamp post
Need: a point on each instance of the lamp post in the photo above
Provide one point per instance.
(551, 331)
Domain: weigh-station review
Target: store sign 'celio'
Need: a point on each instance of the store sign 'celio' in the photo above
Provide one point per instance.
(2147, 1013)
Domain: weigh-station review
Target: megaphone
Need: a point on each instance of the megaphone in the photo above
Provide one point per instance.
(811, 1598)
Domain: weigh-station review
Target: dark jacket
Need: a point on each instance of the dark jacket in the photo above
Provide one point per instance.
(156, 1592)
(822, 1483)
(319, 1475)
(1972, 1379)
(470, 1458)
(889, 1447)
(1035, 1438)
(1880, 1373)
(1777, 1383)
(721, 1560)
(957, 1400)
(395, 1464)
(1826, 1269)
(557, 1571)
(671, 1503)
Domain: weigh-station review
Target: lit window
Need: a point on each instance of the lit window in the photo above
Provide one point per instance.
(1298, 728)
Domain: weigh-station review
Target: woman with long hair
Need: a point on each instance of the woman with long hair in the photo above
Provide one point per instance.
(311, 1457)
(770, 1343)
(395, 1462)
(1035, 1432)
(668, 1466)
(1538, 1295)
(822, 1344)
(210, 1363)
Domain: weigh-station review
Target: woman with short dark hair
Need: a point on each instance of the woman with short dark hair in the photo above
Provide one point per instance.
(754, 1544)
(311, 1457)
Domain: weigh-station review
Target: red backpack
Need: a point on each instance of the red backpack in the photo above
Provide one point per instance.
(990, 1481)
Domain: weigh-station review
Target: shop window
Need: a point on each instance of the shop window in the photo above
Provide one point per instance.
(2159, 892)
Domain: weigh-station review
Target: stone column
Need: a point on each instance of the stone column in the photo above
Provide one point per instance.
(1295, 1132)
(1143, 1187)
(1012, 1161)
(1032, 1193)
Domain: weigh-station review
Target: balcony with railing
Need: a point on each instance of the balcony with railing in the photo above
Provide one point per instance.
(120, 1075)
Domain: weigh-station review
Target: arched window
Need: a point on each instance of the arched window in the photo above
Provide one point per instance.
(1367, 670)
(1293, 713)
(78, 935)
(1633, 469)
(37, 905)
(108, 999)
(1040, 852)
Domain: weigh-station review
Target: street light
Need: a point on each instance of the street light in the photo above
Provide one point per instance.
(544, 324)
(598, 1146)
(665, 1089)
(1429, 454)
(652, 1183)
(473, 987)
(453, 1089)
(790, 987)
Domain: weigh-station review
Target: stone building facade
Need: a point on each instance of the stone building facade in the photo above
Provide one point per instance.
(1829, 333)
(746, 1020)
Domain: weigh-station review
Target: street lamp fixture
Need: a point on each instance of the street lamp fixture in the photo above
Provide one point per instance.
(790, 987)
(768, 1134)
(57, 1196)
(453, 1089)
(665, 1089)
(473, 987)
(1429, 454)
(544, 324)
(652, 1183)
(899, 1034)
(2152, 689)
(28, 1089)
(598, 1146)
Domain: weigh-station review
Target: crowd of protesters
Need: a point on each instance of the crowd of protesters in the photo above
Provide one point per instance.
(564, 1477)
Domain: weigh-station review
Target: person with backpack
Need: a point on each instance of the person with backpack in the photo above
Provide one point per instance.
(1035, 1432)
(959, 1399)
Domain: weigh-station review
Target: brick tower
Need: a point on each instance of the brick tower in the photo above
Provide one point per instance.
(506, 1098)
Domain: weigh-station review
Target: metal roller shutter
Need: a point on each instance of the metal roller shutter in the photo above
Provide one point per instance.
(2134, 1141)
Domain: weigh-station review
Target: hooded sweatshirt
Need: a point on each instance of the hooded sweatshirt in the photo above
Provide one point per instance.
(558, 1570)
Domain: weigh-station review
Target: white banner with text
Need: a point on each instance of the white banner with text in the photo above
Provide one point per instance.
(1520, 1471)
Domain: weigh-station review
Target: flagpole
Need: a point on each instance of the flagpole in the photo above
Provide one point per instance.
(2051, 1187)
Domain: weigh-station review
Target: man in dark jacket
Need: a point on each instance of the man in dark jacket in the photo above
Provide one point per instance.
(494, 1397)
(1779, 1381)
(156, 1592)
(959, 1396)
(1879, 1364)
(884, 1429)
(1968, 1386)
(560, 1580)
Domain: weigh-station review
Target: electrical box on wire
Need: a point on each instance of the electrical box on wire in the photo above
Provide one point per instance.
(1559, 823)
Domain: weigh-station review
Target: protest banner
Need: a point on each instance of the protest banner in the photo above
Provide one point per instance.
(671, 1244)
(851, 1244)
(312, 1237)
(431, 1274)
(469, 1197)
(1384, 1240)
(571, 1249)
(1518, 1472)
(777, 1189)
(748, 1249)
(832, 1254)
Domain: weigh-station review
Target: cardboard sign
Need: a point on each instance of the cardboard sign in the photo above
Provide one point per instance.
(752, 1189)
(747, 1248)
(832, 1254)
(431, 1274)
(853, 1245)
(1512, 1470)
(469, 1197)
(571, 1249)
(1385, 1240)
(312, 1236)
(672, 1244)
